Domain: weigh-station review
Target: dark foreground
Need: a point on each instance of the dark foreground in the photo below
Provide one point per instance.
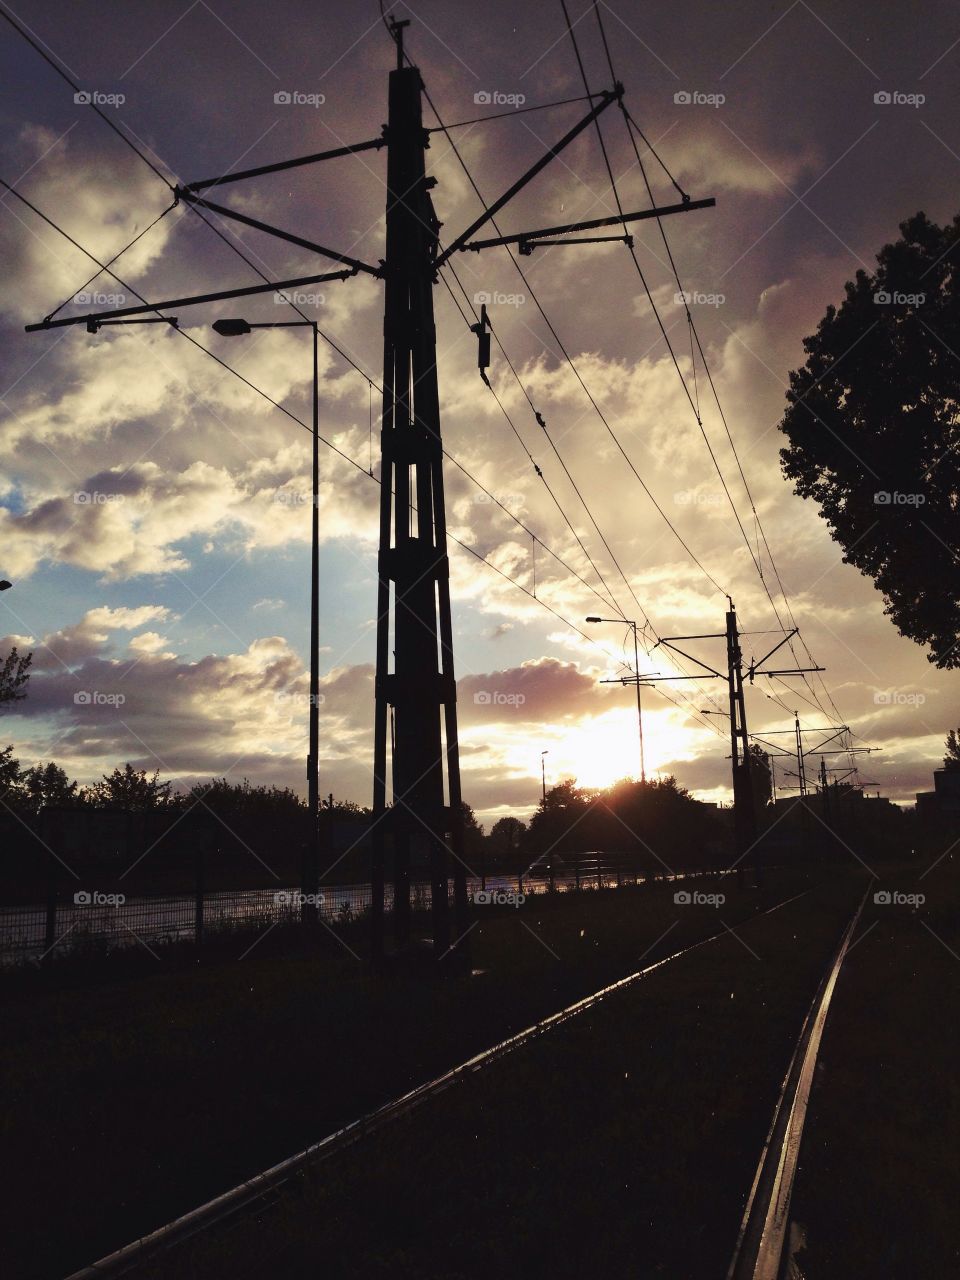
(623, 1143)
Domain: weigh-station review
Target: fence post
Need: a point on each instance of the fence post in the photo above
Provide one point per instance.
(50, 930)
(50, 927)
(199, 893)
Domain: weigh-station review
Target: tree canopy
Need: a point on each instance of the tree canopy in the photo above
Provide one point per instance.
(130, 789)
(873, 423)
(761, 779)
(14, 674)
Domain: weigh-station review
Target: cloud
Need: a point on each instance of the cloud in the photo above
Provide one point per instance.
(78, 185)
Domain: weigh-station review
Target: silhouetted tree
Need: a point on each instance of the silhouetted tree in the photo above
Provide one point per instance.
(506, 836)
(241, 799)
(14, 674)
(130, 789)
(952, 759)
(657, 819)
(9, 777)
(557, 817)
(874, 429)
(48, 785)
(472, 832)
(760, 777)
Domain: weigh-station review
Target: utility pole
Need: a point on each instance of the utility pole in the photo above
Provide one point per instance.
(801, 772)
(237, 327)
(413, 551)
(543, 773)
(744, 809)
(821, 749)
(421, 687)
(825, 791)
(416, 692)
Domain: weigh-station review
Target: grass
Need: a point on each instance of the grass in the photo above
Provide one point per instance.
(137, 1099)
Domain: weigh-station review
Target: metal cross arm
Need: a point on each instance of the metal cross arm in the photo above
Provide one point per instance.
(526, 239)
(758, 662)
(704, 667)
(844, 728)
(280, 165)
(788, 671)
(606, 98)
(219, 296)
(257, 225)
(527, 246)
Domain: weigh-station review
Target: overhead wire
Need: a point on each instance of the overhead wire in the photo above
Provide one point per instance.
(761, 532)
(328, 443)
(127, 141)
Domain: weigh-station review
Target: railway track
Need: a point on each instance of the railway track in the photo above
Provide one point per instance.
(761, 1251)
(259, 1192)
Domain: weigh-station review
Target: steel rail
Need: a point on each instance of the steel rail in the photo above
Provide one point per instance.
(758, 1253)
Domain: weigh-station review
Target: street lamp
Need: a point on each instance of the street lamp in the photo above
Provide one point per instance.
(543, 773)
(636, 667)
(238, 328)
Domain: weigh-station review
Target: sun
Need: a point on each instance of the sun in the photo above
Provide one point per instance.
(602, 749)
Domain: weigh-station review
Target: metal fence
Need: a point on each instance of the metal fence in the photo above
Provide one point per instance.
(100, 920)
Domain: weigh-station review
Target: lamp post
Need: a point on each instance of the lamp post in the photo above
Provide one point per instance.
(543, 772)
(636, 667)
(236, 328)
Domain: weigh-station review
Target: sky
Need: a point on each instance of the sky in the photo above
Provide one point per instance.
(154, 508)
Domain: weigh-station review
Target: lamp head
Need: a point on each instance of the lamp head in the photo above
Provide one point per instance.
(232, 328)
